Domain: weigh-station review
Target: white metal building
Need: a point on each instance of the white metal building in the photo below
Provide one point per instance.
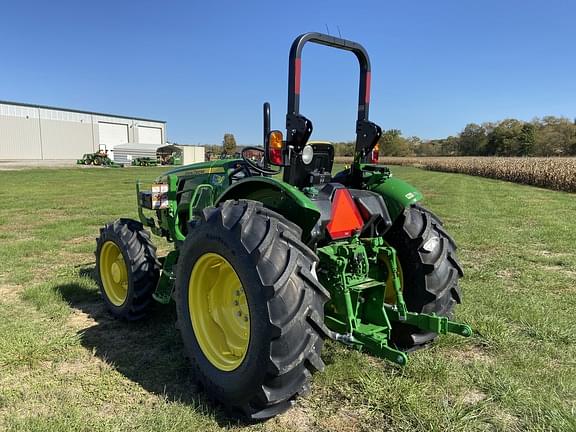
(126, 153)
(193, 154)
(37, 132)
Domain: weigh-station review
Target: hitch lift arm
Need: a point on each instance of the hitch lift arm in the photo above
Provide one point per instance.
(358, 312)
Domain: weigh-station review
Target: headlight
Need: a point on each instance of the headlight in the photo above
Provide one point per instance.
(307, 154)
(156, 198)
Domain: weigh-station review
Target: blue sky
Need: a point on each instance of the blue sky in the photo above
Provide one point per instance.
(207, 67)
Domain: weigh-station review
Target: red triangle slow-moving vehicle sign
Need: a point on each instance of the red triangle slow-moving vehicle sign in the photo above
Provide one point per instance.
(345, 216)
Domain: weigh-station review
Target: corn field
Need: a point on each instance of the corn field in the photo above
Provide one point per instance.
(548, 172)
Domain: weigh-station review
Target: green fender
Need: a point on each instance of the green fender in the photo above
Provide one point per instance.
(397, 194)
(276, 195)
(291, 203)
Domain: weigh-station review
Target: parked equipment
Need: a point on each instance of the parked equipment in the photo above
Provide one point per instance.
(100, 158)
(170, 155)
(264, 269)
(144, 161)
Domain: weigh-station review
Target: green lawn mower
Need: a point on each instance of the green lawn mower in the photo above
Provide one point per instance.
(263, 270)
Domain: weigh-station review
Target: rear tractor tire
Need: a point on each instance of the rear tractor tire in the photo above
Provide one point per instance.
(250, 308)
(127, 269)
(430, 271)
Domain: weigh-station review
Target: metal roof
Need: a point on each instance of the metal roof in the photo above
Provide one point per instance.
(141, 147)
(79, 111)
(125, 153)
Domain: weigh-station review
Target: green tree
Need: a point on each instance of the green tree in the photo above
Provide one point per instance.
(504, 139)
(449, 146)
(527, 139)
(414, 144)
(557, 135)
(344, 148)
(548, 142)
(426, 148)
(472, 140)
(392, 144)
(229, 144)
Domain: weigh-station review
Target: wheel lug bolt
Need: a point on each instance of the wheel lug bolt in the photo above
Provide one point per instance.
(239, 313)
(245, 318)
(236, 302)
(237, 293)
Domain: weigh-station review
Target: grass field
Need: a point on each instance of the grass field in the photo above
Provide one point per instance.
(66, 365)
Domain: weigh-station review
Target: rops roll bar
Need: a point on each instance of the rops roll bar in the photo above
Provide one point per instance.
(298, 127)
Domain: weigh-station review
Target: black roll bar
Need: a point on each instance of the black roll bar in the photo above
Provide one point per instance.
(299, 128)
(294, 70)
(266, 116)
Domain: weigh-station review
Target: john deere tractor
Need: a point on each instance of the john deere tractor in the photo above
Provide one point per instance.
(100, 158)
(264, 269)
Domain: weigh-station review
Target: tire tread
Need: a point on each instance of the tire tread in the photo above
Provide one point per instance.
(143, 266)
(288, 371)
(433, 278)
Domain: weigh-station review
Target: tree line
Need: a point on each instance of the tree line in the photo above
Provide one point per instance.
(548, 136)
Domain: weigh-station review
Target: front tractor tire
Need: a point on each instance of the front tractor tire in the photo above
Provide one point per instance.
(127, 269)
(430, 271)
(250, 308)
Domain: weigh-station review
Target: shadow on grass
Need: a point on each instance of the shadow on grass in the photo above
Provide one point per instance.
(148, 352)
(89, 272)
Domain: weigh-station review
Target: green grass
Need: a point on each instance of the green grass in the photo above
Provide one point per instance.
(66, 365)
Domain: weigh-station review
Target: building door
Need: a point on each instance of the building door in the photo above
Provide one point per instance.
(149, 135)
(112, 134)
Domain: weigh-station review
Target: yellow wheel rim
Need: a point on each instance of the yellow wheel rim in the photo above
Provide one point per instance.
(113, 273)
(390, 293)
(219, 311)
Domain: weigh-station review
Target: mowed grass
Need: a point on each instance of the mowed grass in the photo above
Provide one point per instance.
(65, 364)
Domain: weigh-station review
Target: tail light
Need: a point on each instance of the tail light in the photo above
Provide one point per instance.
(375, 153)
(275, 148)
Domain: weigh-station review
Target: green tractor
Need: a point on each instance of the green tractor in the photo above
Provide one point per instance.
(92, 159)
(100, 158)
(263, 270)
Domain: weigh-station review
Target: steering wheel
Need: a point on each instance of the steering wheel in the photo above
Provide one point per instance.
(258, 166)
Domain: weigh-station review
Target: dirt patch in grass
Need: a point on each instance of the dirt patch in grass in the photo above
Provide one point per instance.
(506, 420)
(507, 274)
(21, 237)
(470, 354)
(473, 396)
(88, 314)
(550, 254)
(45, 266)
(84, 366)
(474, 260)
(80, 319)
(65, 383)
(69, 257)
(559, 269)
(343, 420)
(80, 240)
(298, 419)
(9, 293)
